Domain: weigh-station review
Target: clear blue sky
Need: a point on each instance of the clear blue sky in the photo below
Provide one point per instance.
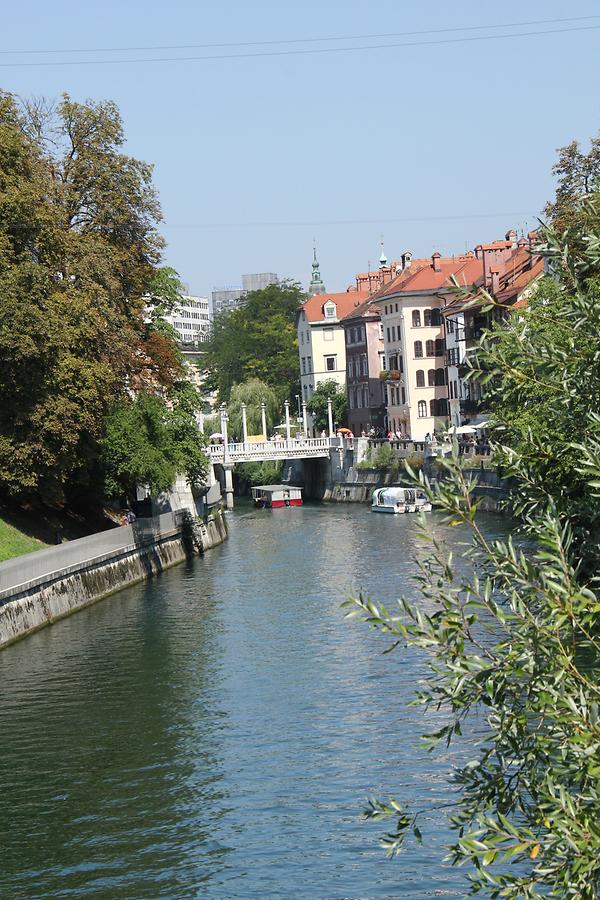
(455, 129)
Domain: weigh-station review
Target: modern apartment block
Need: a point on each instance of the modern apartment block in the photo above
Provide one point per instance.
(191, 320)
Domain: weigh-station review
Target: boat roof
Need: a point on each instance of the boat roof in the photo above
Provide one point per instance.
(276, 487)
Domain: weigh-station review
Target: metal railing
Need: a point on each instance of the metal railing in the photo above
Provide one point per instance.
(22, 570)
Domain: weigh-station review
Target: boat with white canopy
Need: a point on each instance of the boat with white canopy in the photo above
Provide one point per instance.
(399, 500)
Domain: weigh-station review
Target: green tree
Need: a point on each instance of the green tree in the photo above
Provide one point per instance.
(578, 176)
(252, 392)
(257, 340)
(512, 639)
(147, 442)
(79, 252)
(317, 405)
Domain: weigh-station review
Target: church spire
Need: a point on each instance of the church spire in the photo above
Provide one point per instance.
(316, 285)
(383, 261)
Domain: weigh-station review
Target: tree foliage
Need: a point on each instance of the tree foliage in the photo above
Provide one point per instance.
(256, 340)
(317, 405)
(578, 176)
(512, 641)
(252, 392)
(147, 442)
(79, 254)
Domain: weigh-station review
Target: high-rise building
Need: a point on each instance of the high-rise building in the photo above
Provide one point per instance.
(224, 299)
(259, 281)
(191, 320)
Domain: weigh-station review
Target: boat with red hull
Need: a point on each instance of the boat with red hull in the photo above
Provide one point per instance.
(274, 496)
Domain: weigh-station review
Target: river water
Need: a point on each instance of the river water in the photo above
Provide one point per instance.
(214, 733)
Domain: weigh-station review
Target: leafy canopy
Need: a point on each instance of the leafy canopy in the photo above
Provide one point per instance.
(79, 255)
(317, 405)
(256, 340)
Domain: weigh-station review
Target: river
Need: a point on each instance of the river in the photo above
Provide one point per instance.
(213, 733)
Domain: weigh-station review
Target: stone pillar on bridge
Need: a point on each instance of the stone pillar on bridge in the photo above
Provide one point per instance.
(287, 419)
(263, 416)
(228, 486)
(226, 464)
(330, 416)
(244, 424)
(304, 419)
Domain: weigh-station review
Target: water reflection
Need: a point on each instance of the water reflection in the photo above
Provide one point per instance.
(214, 733)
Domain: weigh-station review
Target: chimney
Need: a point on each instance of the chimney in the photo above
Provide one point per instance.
(494, 280)
(406, 259)
(435, 261)
(511, 237)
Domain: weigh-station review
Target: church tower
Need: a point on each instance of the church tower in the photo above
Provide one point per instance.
(316, 285)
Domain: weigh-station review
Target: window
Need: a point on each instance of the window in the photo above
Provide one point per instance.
(422, 409)
(440, 376)
(328, 334)
(432, 408)
(416, 318)
(393, 332)
(418, 349)
(396, 306)
(436, 318)
(350, 367)
(400, 362)
(403, 396)
(381, 362)
(351, 402)
(427, 317)
(301, 337)
(330, 311)
(456, 388)
(385, 310)
(304, 365)
(388, 335)
(393, 362)
(440, 346)
(450, 325)
(431, 377)
(420, 378)
(365, 369)
(330, 363)
(430, 348)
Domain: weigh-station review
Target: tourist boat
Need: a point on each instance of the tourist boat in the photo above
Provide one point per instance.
(272, 496)
(399, 500)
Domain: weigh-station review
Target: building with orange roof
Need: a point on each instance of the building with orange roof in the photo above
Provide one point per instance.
(510, 281)
(321, 342)
(414, 341)
(365, 356)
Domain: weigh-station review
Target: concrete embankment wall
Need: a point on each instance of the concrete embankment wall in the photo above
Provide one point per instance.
(339, 479)
(39, 588)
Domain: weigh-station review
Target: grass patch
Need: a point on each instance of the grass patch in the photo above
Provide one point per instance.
(14, 543)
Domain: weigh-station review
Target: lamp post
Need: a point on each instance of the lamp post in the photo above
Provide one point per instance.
(330, 417)
(244, 424)
(287, 419)
(263, 416)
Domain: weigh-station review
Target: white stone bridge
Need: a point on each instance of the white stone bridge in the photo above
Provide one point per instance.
(262, 451)
(227, 454)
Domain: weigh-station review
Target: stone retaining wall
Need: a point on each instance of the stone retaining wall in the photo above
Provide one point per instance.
(32, 604)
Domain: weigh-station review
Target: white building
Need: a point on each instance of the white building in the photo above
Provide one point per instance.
(321, 338)
(191, 320)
